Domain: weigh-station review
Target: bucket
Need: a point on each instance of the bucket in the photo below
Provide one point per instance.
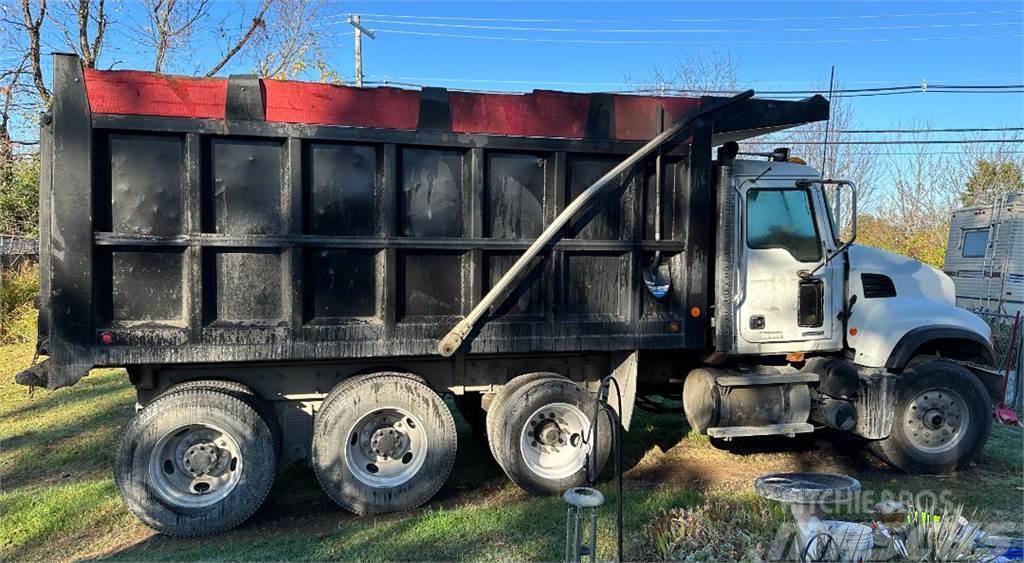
(854, 541)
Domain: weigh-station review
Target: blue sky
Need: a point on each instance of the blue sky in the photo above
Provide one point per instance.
(777, 44)
(870, 43)
(595, 46)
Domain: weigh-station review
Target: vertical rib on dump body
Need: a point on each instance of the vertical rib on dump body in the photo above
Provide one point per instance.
(195, 220)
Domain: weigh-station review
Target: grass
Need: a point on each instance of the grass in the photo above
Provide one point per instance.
(58, 501)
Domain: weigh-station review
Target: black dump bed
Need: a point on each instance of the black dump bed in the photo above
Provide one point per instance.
(239, 220)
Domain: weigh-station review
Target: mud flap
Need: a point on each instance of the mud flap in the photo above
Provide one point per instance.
(876, 405)
(625, 374)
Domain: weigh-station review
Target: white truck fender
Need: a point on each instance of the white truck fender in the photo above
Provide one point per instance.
(886, 333)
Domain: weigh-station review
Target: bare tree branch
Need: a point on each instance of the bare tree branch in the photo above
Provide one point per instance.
(91, 51)
(257, 23)
(33, 28)
(288, 45)
(171, 24)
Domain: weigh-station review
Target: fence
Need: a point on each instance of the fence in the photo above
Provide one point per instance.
(1005, 343)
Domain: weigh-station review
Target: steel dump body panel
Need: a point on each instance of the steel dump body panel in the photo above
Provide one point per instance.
(293, 260)
(203, 240)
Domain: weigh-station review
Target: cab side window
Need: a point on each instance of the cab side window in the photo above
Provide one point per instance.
(783, 219)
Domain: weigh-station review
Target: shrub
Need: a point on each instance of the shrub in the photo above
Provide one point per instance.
(19, 287)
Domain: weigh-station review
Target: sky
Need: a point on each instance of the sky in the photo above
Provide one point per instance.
(778, 45)
(598, 46)
(595, 46)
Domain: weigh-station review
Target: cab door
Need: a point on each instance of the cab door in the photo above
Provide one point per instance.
(788, 285)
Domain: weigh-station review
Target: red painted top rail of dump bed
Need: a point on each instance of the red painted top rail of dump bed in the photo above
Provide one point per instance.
(537, 114)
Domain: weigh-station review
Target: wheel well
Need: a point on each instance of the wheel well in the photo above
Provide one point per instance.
(954, 349)
(951, 342)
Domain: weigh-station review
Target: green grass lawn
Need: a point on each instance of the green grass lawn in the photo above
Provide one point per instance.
(58, 500)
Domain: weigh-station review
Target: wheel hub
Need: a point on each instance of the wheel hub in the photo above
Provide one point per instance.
(386, 447)
(936, 420)
(200, 459)
(552, 443)
(388, 442)
(195, 466)
(933, 419)
(549, 433)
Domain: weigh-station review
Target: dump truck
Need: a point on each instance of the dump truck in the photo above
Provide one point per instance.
(294, 272)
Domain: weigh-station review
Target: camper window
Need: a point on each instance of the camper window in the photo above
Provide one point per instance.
(975, 242)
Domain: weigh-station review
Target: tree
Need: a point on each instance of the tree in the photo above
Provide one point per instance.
(913, 214)
(33, 26)
(700, 73)
(990, 180)
(171, 24)
(287, 46)
(19, 198)
(82, 24)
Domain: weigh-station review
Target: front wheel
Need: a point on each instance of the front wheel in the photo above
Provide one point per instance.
(943, 418)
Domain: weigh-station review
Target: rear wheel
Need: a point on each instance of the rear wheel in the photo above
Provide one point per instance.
(383, 443)
(195, 462)
(496, 412)
(544, 439)
(240, 391)
(943, 418)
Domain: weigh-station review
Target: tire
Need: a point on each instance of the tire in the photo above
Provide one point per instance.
(368, 438)
(339, 388)
(568, 412)
(943, 418)
(241, 391)
(233, 479)
(496, 411)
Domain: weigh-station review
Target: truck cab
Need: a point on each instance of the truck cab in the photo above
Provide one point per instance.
(873, 341)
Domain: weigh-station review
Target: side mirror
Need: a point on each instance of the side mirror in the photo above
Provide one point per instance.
(837, 212)
(837, 207)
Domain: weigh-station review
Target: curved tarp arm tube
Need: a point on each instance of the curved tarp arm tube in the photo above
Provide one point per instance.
(453, 340)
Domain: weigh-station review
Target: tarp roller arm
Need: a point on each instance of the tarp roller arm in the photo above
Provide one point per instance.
(453, 340)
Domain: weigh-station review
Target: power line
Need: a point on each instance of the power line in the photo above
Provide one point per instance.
(782, 94)
(913, 88)
(534, 82)
(701, 20)
(904, 27)
(893, 142)
(938, 130)
(693, 42)
(938, 153)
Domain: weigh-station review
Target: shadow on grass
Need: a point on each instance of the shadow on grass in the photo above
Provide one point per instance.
(84, 392)
(43, 443)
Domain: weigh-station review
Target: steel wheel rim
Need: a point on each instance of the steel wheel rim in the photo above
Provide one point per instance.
(936, 420)
(553, 442)
(195, 466)
(386, 447)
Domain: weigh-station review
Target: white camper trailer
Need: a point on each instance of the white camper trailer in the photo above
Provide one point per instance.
(985, 255)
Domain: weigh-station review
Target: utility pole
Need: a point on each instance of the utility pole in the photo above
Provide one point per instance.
(354, 20)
